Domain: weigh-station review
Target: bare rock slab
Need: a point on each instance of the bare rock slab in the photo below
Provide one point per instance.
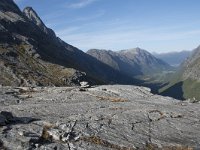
(102, 117)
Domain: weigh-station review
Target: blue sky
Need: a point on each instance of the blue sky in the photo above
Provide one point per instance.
(154, 25)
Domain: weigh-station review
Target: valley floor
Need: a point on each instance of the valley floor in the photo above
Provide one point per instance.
(103, 117)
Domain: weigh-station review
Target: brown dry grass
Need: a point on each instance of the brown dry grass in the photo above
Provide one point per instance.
(112, 99)
(45, 135)
(98, 141)
(155, 147)
(179, 148)
(162, 115)
(116, 108)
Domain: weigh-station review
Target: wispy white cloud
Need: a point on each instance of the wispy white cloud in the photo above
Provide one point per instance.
(80, 4)
(120, 37)
(54, 21)
(94, 16)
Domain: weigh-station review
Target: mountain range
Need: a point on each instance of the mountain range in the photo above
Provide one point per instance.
(32, 54)
(52, 95)
(133, 62)
(173, 58)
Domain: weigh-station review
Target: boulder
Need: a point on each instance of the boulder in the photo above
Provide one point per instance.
(8, 115)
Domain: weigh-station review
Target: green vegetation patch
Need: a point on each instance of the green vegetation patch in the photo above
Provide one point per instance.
(191, 89)
(187, 89)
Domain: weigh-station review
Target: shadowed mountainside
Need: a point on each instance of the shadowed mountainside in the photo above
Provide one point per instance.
(189, 75)
(31, 54)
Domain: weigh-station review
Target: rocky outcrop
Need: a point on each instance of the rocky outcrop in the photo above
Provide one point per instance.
(103, 117)
(9, 6)
(33, 16)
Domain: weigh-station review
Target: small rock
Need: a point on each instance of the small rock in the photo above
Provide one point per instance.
(84, 84)
(37, 145)
(76, 138)
(18, 101)
(24, 89)
(21, 133)
(8, 115)
(72, 147)
(24, 96)
(65, 128)
(65, 139)
(54, 133)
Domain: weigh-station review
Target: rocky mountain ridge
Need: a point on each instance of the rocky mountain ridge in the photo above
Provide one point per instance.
(31, 54)
(30, 13)
(133, 62)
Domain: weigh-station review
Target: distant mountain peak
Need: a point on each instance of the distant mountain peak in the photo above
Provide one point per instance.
(135, 51)
(132, 62)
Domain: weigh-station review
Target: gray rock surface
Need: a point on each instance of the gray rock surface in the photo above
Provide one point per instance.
(104, 117)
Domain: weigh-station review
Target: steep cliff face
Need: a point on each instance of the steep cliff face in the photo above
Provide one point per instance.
(30, 53)
(33, 16)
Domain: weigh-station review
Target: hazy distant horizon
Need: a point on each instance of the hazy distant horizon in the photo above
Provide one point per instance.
(156, 26)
